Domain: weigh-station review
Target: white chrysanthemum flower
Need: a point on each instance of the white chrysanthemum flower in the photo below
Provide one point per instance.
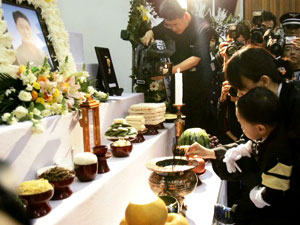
(9, 91)
(37, 128)
(154, 86)
(5, 117)
(12, 120)
(46, 113)
(25, 96)
(56, 108)
(29, 87)
(20, 112)
(91, 90)
(36, 112)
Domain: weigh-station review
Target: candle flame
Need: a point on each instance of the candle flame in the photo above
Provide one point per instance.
(178, 70)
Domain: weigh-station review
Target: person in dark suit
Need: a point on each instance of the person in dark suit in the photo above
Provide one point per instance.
(190, 35)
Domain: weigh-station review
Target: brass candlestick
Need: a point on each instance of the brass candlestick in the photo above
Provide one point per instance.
(85, 124)
(179, 122)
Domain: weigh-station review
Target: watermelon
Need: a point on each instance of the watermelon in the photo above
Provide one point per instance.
(192, 135)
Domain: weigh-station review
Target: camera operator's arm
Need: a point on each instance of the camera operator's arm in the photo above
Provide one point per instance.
(148, 38)
(186, 64)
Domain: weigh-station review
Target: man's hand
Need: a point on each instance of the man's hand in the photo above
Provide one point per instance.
(148, 38)
(200, 151)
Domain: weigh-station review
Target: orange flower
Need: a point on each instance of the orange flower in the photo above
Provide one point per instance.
(42, 78)
(48, 98)
(34, 95)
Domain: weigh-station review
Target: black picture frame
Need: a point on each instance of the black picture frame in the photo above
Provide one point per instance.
(106, 76)
(36, 17)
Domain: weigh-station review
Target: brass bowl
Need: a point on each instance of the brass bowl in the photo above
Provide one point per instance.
(172, 176)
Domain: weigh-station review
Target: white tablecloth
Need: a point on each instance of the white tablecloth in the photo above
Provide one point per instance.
(27, 153)
(104, 200)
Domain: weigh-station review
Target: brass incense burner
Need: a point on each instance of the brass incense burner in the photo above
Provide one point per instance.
(172, 176)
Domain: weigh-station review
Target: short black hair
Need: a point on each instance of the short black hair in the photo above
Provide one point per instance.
(170, 10)
(17, 14)
(259, 106)
(251, 62)
(268, 16)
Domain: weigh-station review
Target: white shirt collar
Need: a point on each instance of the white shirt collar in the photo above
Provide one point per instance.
(279, 89)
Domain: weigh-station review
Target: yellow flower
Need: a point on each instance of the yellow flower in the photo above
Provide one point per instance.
(22, 68)
(56, 93)
(48, 0)
(145, 18)
(40, 100)
(36, 85)
(65, 87)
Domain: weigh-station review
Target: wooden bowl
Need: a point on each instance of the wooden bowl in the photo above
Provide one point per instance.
(38, 204)
(121, 151)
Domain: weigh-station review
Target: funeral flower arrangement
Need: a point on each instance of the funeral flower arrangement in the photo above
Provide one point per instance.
(37, 92)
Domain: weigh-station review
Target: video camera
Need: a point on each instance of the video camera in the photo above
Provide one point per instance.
(275, 41)
(154, 60)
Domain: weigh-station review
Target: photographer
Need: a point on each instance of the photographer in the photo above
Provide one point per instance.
(191, 57)
(236, 37)
(263, 19)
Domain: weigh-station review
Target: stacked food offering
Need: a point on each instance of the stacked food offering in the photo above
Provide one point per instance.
(120, 129)
(154, 113)
(138, 122)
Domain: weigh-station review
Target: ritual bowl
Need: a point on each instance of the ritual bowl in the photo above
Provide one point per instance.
(61, 178)
(37, 205)
(172, 176)
(100, 150)
(85, 166)
(62, 188)
(86, 173)
(120, 151)
(171, 203)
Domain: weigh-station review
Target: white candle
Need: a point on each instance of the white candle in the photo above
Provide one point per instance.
(178, 88)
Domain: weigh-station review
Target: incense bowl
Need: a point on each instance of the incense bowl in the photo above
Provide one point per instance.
(172, 176)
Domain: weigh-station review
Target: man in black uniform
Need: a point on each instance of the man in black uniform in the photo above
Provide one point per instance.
(191, 57)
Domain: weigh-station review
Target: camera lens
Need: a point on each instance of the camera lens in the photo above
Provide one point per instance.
(233, 92)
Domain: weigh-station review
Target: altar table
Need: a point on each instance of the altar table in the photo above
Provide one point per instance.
(27, 152)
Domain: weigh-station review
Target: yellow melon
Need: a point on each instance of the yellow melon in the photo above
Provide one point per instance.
(123, 222)
(176, 219)
(145, 213)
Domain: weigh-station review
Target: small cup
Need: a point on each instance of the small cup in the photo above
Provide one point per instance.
(85, 166)
(100, 150)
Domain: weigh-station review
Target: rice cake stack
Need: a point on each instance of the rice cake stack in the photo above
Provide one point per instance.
(138, 122)
(154, 113)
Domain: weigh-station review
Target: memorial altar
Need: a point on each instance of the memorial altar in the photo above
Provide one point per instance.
(104, 200)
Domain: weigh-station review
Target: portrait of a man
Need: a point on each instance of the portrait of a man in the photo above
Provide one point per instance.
(28, 39)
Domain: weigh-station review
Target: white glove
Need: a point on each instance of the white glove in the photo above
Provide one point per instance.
(148, 37)
(256, 197)
(235, 154)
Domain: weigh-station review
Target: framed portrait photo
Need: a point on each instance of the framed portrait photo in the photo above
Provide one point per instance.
(29, 33)
(106, 76)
